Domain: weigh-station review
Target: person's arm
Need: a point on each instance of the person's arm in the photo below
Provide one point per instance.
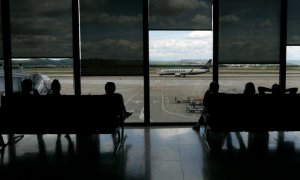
(291, 90)
(263, 90)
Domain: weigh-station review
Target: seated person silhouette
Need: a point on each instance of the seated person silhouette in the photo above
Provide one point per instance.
(27, 88)
(213, 89)
(55, 88)
(55, 91)
(277, 89)
(110, 89)
(249, 88)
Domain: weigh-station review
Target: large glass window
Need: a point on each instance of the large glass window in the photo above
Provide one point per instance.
(293, 67)
(112, 50)
(2, 86)
(41, 28)
(180, 14)
(249, 32)
(180, 74)
(293, 42)
(233, 77)
(293, 25)
(41, 33)
(1, 40)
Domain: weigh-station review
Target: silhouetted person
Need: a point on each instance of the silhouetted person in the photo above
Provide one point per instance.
(213, 89)
(110, 89)
(27, 88)
(277, 89)
(249, 88)
(55, 91)
(55, 88)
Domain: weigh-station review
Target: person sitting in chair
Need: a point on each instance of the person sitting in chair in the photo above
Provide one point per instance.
(110, 89)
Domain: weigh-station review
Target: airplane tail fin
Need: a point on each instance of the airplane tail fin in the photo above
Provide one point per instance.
(208, 64)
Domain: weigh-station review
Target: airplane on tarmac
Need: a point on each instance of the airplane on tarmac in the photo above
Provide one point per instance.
(183, 72)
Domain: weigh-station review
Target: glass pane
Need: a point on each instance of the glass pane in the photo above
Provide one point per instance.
(111, 37)
(180, 74)
(1, 39)
(41, 28)
(293, 67)
(249, 32)
(131, 88)
(293, 25)
(112, 50)
(42, 71)
(233, 77)
(2, 81)
(180, 14)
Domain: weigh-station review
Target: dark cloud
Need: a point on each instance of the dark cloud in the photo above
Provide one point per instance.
(249, 31)
(180, 14)
(41, 28)
(293, 25)
(111, 29)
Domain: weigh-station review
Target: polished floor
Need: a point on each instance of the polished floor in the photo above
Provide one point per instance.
(157, 153)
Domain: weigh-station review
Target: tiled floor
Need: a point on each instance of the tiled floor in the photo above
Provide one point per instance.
(152, 153)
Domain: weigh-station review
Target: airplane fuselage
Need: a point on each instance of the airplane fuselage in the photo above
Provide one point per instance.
(182, 72)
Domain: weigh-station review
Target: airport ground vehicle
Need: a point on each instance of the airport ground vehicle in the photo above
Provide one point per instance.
(194, 107)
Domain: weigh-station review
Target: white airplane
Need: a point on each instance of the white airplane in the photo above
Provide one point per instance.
(183, 72)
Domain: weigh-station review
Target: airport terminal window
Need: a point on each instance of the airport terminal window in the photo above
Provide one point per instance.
(293, 25)
(233, 77)
(293, 67)
(111, 37)
(41, 28)
(1, 40)
(176, 93)
(180, 14)
(112, 50)
(249, 32)
(41, 39)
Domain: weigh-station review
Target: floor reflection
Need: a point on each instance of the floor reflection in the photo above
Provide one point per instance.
(153, 153)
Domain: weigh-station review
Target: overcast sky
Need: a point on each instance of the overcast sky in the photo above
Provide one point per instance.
(177, 45)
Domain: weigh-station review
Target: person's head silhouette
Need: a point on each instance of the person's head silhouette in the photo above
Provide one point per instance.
(110, 88)
(249, 88)
(55, 86)
(214, 87)
(26, 86)
(276, 89)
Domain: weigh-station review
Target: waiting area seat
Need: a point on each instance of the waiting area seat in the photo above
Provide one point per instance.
(252, 113)
(87, 114)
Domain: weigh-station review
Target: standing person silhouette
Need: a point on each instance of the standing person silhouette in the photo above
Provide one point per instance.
(213, 89)
(110, 89)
